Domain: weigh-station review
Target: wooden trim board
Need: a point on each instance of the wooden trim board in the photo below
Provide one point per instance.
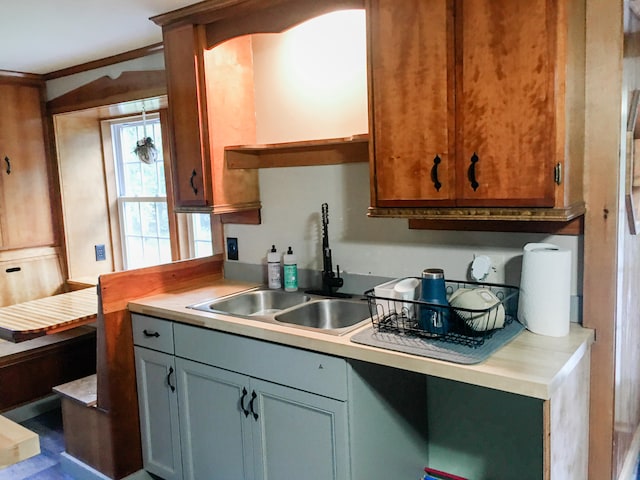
(16, 442)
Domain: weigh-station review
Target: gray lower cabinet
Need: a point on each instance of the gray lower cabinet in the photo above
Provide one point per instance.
(158, 405)
(237, 427)
(218, 406)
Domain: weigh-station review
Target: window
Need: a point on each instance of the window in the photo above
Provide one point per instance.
(200, 235)
(142, 197)
(143, 216)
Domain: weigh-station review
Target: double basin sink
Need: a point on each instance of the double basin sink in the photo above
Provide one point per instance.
(297, 309)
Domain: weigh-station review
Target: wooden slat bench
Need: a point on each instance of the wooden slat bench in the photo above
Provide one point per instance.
(48, 315)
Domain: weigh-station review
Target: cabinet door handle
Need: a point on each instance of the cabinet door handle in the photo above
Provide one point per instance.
(8, 162)
(172, 387)
(150, 333)
(471, 174)
(242, 407)
(254, 395)
(193, 184)
(557, 173)
(434, 173)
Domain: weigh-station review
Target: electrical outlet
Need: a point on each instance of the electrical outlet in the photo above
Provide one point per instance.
(232, 248)
(101, 253)
(494, 269)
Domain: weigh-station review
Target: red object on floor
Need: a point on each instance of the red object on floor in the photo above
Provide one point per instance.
(443, 475)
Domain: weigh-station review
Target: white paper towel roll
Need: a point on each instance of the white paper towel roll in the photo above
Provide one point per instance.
(545, 289)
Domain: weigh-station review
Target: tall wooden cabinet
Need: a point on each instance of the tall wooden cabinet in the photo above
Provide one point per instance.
(25, 208)
(473, 105)
(211, 105)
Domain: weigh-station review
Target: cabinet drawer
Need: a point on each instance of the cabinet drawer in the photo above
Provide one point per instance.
(152, 333)
(309, 371)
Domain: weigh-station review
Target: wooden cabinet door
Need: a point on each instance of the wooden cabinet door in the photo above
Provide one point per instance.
(158, 405)
(505, 118)
(188, 115)
(216, 435)
(411, 97)
(25, 208)
(296, 431)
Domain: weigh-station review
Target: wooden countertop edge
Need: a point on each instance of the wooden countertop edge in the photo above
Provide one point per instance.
(518, 367)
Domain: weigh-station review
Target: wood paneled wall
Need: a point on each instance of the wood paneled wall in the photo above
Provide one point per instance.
(602, 143)
(84, 196)
(627, 371)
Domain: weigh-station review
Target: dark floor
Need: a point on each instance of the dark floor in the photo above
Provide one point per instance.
(46, 465)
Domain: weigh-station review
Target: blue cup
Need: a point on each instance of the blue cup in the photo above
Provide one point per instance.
(433, 319)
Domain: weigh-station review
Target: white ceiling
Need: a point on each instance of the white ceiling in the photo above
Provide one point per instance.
(43, 36)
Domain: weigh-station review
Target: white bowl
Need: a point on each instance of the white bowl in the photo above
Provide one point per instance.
(483, 299)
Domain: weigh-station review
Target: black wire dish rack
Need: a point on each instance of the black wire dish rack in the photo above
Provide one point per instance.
(465, 326)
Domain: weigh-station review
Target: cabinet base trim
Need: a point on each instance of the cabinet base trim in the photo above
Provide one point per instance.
(490, 213)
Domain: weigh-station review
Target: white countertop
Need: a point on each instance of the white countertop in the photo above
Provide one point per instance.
(531, 365)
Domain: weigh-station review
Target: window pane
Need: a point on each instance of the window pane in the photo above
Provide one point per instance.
(137, 178)
(132, 185)
(203, 249)
(201, 225)
(135, 253)
(165, 250)
(148, 219)
(132, 221)
(163, 220)
(151, 251)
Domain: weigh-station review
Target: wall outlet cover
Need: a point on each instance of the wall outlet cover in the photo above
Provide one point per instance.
(232, 248)
(101, 253)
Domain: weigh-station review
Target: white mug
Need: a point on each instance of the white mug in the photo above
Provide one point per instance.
(406, 289)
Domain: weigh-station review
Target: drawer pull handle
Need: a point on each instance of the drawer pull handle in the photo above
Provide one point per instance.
(244, 395)
(254, 395)
(13, 269)
(172, 387)
(192, 182)
(472, 172)
(8, 162)
(434, 173)
(149, 333)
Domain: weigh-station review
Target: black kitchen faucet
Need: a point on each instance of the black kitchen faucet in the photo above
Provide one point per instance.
(331, 281)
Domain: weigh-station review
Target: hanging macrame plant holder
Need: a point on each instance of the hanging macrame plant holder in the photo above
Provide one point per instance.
(145, 148)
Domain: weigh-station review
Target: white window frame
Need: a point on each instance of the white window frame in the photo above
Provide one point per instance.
(121, 200)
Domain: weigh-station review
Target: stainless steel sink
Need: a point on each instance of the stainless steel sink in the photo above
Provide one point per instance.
(295, 309)
(255, 303)
(326, 314)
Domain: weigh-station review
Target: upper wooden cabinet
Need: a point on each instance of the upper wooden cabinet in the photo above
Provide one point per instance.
(476, 108)
(211, 105)
(26, 218)
(209, 65)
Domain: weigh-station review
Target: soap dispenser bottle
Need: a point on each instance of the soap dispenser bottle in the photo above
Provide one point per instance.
(273, 268)
(290, 271)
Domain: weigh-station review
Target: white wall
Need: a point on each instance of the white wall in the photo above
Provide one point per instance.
(292, 197)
